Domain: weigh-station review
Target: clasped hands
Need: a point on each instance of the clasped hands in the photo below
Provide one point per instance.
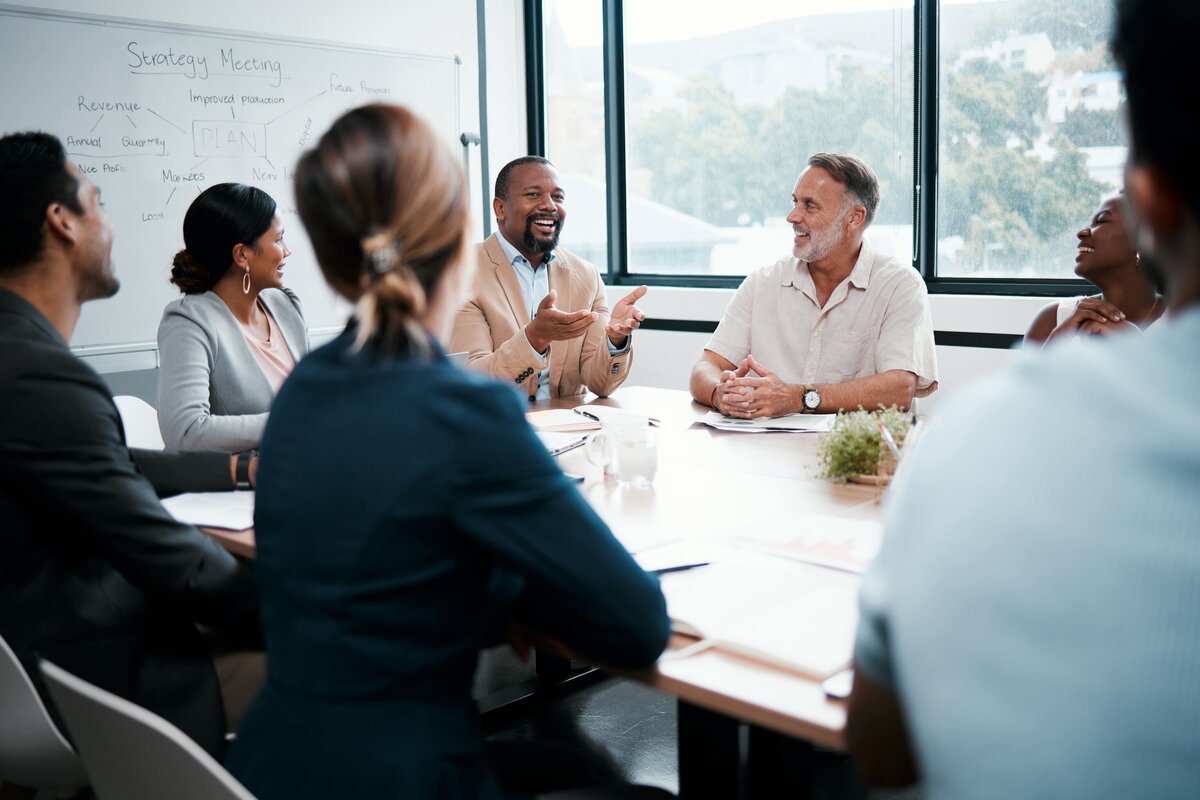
(745, 396)
(550, 324)
(1094, 316)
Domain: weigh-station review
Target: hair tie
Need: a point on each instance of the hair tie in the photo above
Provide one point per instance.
(382, 253)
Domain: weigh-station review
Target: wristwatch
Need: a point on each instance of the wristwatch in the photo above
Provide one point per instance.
(243, 468)
(811, 399)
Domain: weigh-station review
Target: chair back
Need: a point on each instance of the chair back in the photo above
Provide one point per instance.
(140, 421)
(32, 751)
(131, 753)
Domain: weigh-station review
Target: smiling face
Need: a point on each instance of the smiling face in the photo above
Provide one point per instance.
(532, 215)
(1105, 243)
(266, 258)
(93, 251)
(819, 215)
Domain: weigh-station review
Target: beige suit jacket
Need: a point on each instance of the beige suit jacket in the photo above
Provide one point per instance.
(491, 328)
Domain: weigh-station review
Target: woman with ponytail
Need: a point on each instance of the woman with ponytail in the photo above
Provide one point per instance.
(227, 344)
(407, 516)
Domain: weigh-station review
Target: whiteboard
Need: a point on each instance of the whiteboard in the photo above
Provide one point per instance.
(155, 113)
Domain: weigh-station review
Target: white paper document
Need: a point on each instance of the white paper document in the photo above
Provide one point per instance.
(683, 554)
(789, 423)
(227, 510)
(598, 413)
(796, 616)
(847, 544)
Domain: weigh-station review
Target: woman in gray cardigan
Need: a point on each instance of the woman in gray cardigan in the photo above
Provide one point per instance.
(227, 344)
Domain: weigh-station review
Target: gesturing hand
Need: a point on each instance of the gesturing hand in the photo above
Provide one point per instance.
(551, 325)
(764, 396)
(626, 317)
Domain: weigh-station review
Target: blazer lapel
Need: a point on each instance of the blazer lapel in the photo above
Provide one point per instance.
(508, 281)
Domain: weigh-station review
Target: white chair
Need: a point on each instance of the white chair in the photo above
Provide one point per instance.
(140, 421)
(32, 751)
(132, 754)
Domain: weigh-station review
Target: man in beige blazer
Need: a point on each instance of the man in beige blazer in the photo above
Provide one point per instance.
(538, 315)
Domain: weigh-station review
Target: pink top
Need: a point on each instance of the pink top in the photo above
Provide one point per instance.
(272, 355)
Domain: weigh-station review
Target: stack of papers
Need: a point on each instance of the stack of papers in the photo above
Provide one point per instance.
(796, 616)
(793, 423)
(560, 419)
(232, 511)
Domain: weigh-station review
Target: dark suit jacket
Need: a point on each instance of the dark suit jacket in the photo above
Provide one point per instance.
(405, 513)
(95, 575)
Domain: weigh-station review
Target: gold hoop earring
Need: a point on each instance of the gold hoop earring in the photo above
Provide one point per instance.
(246, 281)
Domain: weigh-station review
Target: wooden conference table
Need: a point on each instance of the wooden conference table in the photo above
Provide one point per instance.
(710, 482)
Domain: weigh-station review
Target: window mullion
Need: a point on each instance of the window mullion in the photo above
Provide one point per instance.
(614, 139)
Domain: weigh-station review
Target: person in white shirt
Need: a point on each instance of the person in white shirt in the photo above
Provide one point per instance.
(835, 325)
(1031, 627)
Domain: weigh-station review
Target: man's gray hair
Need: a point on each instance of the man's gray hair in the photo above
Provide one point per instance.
(858, 178)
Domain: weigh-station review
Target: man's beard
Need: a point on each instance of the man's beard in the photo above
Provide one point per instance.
(99, 283)
(541, 246)
(821, 243)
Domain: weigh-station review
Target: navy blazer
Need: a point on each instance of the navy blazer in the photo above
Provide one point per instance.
(95, 575)
(405, 513)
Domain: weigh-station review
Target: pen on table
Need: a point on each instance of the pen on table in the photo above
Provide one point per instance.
(888, 440)
(596, 417)
(678, 568)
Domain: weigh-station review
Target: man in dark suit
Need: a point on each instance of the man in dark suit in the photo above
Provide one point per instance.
(95, 575)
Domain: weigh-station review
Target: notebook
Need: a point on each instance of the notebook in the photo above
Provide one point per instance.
(797, 616)
(560, 419)
(557, 442)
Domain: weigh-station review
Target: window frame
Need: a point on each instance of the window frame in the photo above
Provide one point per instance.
(925, 160)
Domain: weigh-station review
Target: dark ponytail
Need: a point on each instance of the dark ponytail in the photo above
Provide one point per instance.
(222, 217)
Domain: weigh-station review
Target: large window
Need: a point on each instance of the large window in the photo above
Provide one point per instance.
(1013, 127)
(575, 125)
(725, 101)
(1030, 136)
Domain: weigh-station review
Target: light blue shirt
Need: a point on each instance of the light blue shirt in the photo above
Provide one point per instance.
(1036, 603)
(535, 285)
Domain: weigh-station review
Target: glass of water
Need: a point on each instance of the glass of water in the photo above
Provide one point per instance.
(635, 451)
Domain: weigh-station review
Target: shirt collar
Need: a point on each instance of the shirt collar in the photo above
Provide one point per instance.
(860, 275)
(512, 254)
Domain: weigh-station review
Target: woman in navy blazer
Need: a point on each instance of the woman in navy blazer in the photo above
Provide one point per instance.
(406, 513)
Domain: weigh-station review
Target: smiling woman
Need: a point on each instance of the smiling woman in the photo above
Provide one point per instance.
(1106, 256)
(228, 343)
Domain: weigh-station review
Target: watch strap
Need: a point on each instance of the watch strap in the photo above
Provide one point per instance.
(243, 468)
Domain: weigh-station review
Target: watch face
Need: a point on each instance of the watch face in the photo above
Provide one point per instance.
(812, 399)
